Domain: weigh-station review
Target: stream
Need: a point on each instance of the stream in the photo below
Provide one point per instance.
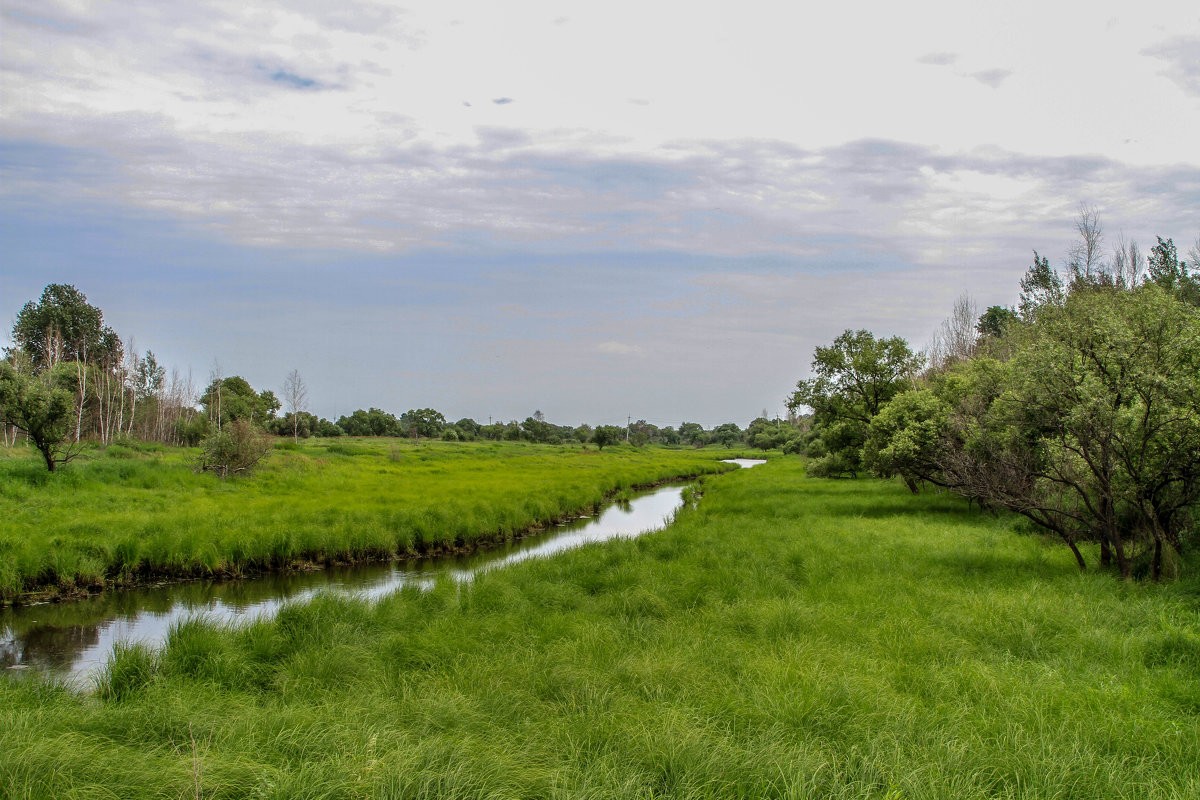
(72, 640)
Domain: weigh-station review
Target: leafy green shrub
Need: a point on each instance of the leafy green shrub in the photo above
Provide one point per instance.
(237, 447)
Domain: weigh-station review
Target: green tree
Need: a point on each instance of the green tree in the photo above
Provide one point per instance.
(229, 399)
(605, 435)
(692, 433)
(727, 434)
(62, 326)
(373, 422)
(1166, 270)
(994, 322)
(423, 422)
(854, 378)
(1040, 288)
(38, 405)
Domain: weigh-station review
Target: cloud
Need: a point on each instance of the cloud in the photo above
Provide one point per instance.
(619, 349)
(938, 59)
(992, 77)
(1182, 55)
(502, 101)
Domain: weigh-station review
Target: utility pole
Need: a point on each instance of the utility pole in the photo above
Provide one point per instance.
(628, 418)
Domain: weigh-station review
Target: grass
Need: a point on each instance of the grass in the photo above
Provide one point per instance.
(786, 638)
(126, 515)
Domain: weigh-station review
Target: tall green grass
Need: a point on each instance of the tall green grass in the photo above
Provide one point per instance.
(786, 638)
(124, 515)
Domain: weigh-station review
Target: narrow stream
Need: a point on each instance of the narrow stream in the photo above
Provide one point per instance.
(72, 640)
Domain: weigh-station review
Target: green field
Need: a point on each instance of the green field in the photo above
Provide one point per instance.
(788, 637)
(123, 515)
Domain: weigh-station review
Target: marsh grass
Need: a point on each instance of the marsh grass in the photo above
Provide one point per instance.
(128, 514)
(786, 638)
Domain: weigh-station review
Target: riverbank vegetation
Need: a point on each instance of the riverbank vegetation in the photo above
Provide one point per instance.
(786, 638)
(137, 512)
(1079, 409)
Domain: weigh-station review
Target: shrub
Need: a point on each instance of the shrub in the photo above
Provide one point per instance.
(238, 447)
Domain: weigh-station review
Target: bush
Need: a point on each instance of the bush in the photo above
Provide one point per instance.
(238, 447)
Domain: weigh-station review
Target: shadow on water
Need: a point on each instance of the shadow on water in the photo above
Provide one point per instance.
(72, 640)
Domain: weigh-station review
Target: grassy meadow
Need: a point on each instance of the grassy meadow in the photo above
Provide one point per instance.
(787, 637)
(126, 514)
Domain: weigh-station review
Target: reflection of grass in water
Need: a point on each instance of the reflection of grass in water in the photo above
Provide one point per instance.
(146, 514)
(780, 640)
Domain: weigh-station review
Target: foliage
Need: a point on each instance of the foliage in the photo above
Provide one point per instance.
(605, 435)
(230, 399)
(1091, 429)
(996, 321)
(1040, 288)
(373, 422)
(236, 448)
(727, 434)
(63, 326)
(1173, 275)
(853, 379)
(38, 405)
(423, 422)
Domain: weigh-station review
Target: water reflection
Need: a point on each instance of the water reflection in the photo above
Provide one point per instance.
(72, 640)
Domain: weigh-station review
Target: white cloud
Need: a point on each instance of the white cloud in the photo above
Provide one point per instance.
(619, 348)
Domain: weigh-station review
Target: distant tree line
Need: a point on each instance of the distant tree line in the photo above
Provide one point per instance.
(1078, 409)
(69, 379)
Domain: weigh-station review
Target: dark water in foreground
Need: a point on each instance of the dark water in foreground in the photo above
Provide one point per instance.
(72, 640)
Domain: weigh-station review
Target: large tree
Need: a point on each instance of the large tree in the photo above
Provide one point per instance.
(853, 379)
(63, 326)
(1091, 429)
(229, 399)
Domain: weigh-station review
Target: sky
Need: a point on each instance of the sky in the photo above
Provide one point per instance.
(596, 210)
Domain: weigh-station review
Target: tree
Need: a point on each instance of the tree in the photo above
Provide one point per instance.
(295, 394)
(692, 433)
(1091, 429)
(605, 435)
(1166, 270)
(583, 434)
(423, 422)
(230, 399)
(1040, 288)
(728, 434)
(854, 378)
(38, 405)
(61, 326)
(1084, 259)
(373, 422)
(955, 339)
(535, 428)
(994, 322)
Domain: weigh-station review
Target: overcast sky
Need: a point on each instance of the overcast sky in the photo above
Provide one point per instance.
(595, 209)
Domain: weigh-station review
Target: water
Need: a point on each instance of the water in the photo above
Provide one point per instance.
(72, 640)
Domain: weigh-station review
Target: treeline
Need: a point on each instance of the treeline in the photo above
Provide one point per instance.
(762, 433)
(1078, 409)
(69, 379)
